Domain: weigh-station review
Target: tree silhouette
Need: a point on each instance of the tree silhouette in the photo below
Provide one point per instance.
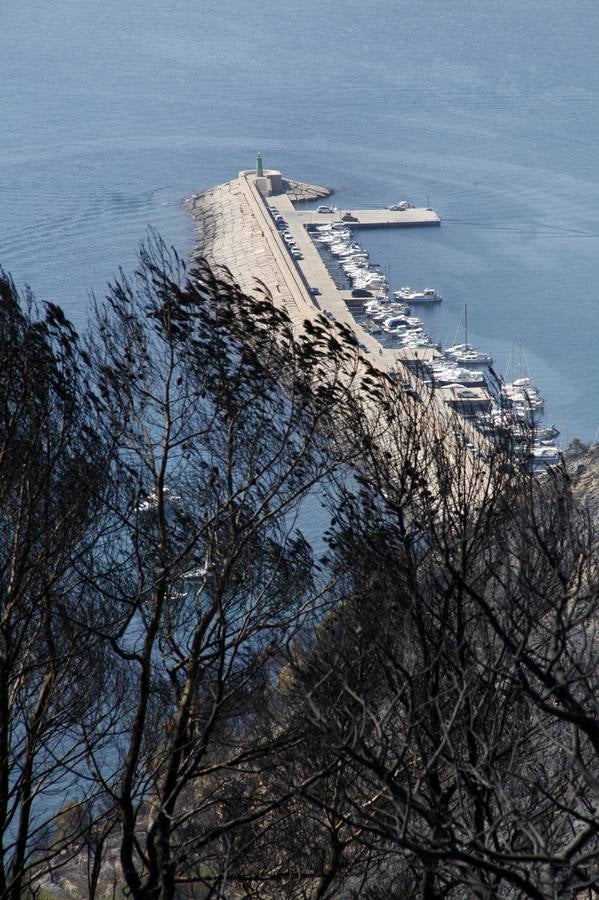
(53, 467)
(194, 703)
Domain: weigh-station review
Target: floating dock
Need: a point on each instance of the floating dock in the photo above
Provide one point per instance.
(372, 218)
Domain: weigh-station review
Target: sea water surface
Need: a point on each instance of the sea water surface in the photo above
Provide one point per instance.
(113, 112)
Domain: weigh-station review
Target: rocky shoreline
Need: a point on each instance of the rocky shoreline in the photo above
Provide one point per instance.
(583, 469)
(300, 192)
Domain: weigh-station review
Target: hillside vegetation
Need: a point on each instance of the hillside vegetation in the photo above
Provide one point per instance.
(265, 631)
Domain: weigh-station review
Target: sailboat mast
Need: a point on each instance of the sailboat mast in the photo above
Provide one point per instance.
(466, 323)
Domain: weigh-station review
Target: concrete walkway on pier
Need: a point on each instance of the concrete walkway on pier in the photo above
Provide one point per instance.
(310, 272)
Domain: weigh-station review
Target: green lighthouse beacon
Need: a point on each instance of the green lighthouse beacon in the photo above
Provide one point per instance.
(259, 167)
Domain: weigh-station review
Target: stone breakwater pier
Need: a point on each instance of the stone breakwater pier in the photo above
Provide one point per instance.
(235, 229)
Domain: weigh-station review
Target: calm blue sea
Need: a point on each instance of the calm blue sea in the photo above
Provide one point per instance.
(113, 112)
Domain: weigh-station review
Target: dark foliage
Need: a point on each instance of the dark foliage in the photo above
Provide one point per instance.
(191, 704)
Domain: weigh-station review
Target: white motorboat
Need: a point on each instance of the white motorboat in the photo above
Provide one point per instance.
(474, 357)
(378, 310)
(412, 337)
(372, 277)
(465, 354)
(352, 253)
(383, 304)
(354, 261)
(522, 393)
(422, 341)
(448, 374)
(542, 456)
(342, 250)
(393, 322)
(327, 237)
(368, 284)
(428, 295)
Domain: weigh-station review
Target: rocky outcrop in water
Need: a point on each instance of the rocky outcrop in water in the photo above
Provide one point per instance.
(299, 192)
